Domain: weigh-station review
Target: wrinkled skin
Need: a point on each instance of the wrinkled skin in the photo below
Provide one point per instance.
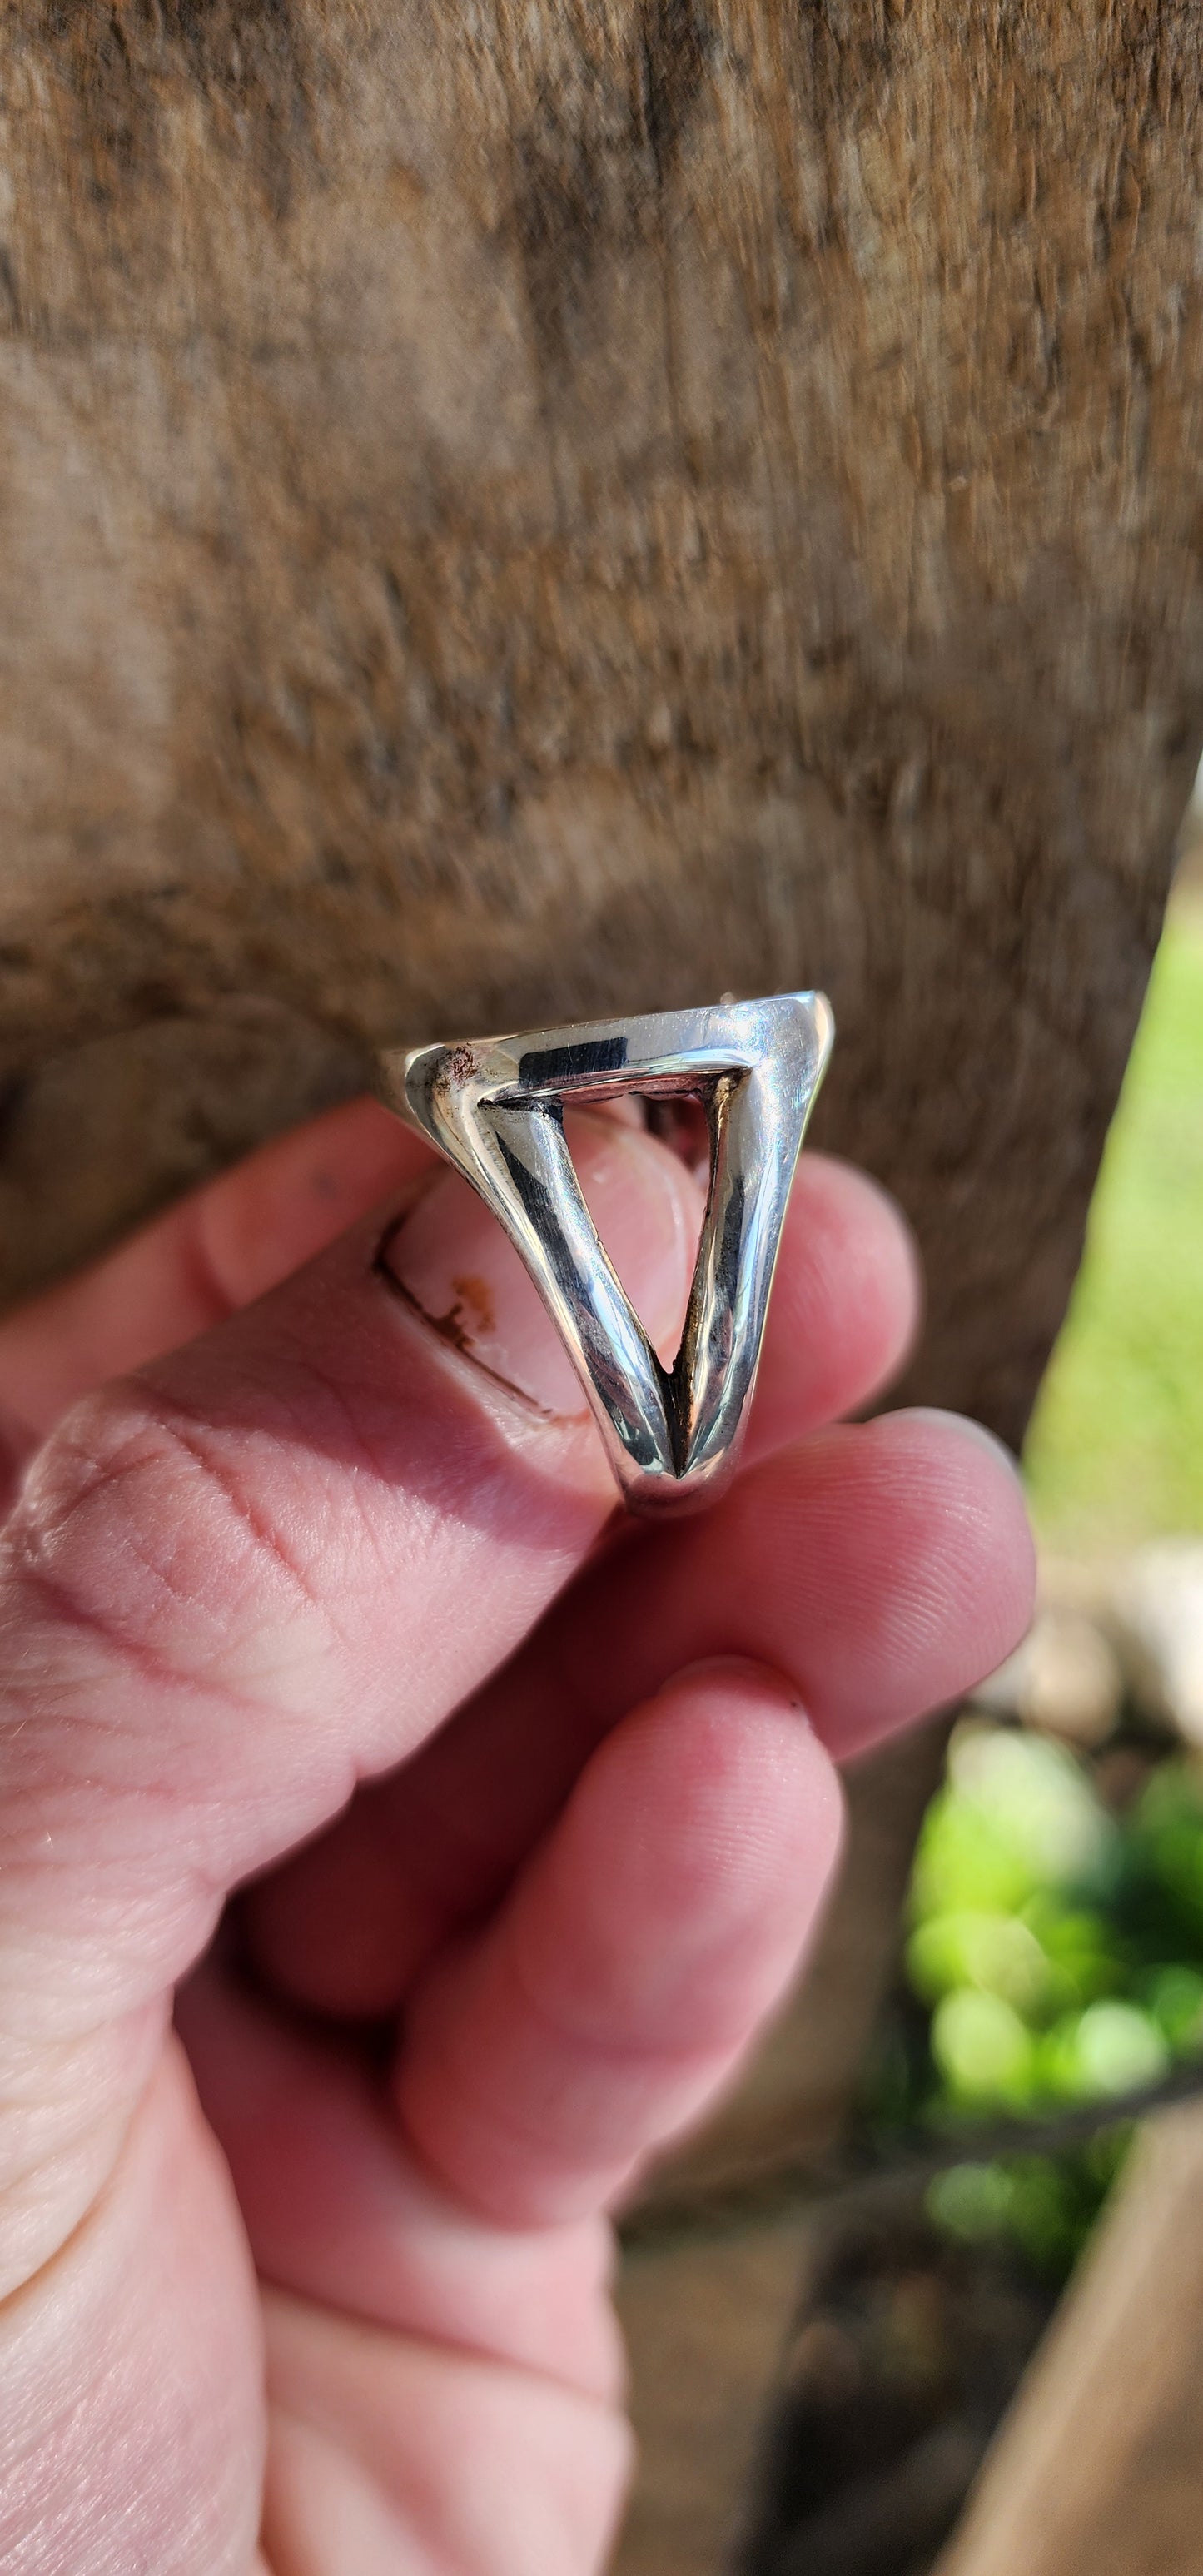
(392, 1854)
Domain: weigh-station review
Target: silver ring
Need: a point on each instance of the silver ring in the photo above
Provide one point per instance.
(494, 1107)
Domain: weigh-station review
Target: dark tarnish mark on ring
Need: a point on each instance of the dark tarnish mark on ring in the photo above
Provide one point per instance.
(555, 1067)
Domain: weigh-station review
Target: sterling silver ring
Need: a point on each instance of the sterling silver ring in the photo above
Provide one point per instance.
(495, 1108)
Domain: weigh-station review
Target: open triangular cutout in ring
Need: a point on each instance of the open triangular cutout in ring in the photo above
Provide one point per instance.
(494, 1107)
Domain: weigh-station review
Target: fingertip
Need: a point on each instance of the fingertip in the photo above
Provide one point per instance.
(963, 1427)
(887, 1565)
(984, 1490)
(847, 1302)
(973, 1579)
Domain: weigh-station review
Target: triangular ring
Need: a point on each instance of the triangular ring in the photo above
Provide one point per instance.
(494, 1107)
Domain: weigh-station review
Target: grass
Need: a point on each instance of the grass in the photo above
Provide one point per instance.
(1115, 1451)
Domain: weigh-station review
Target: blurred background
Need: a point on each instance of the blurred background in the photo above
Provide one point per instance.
(1049, 1989)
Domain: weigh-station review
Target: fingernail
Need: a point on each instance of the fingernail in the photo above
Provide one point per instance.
(456, 1265)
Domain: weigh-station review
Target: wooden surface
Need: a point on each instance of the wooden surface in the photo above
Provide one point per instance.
(510, 510)
(706, 2322)
(1098, 2470)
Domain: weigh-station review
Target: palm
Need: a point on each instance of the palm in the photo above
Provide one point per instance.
(350, 2451)
(449, 2016)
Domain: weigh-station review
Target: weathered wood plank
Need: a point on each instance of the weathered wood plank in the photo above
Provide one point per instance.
(1098, 2470)
(517, 510)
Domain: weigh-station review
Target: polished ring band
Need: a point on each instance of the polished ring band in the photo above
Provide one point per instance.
(495, 1108)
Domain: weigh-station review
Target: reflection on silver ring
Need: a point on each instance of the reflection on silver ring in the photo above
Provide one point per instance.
(495, 1108)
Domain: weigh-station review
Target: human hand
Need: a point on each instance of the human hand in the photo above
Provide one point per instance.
(530, 1818)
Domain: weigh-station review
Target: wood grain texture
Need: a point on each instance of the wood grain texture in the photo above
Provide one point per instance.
(1096, 2471)
(508, 511)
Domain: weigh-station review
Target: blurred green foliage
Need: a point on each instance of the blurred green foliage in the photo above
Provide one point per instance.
(1054, 1952)
(1056, 1947)
(1115, 1451)
(1055, 1957)
(1046, 2205)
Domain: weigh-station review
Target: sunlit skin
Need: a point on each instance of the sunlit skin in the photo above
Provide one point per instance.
(473, 1840)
